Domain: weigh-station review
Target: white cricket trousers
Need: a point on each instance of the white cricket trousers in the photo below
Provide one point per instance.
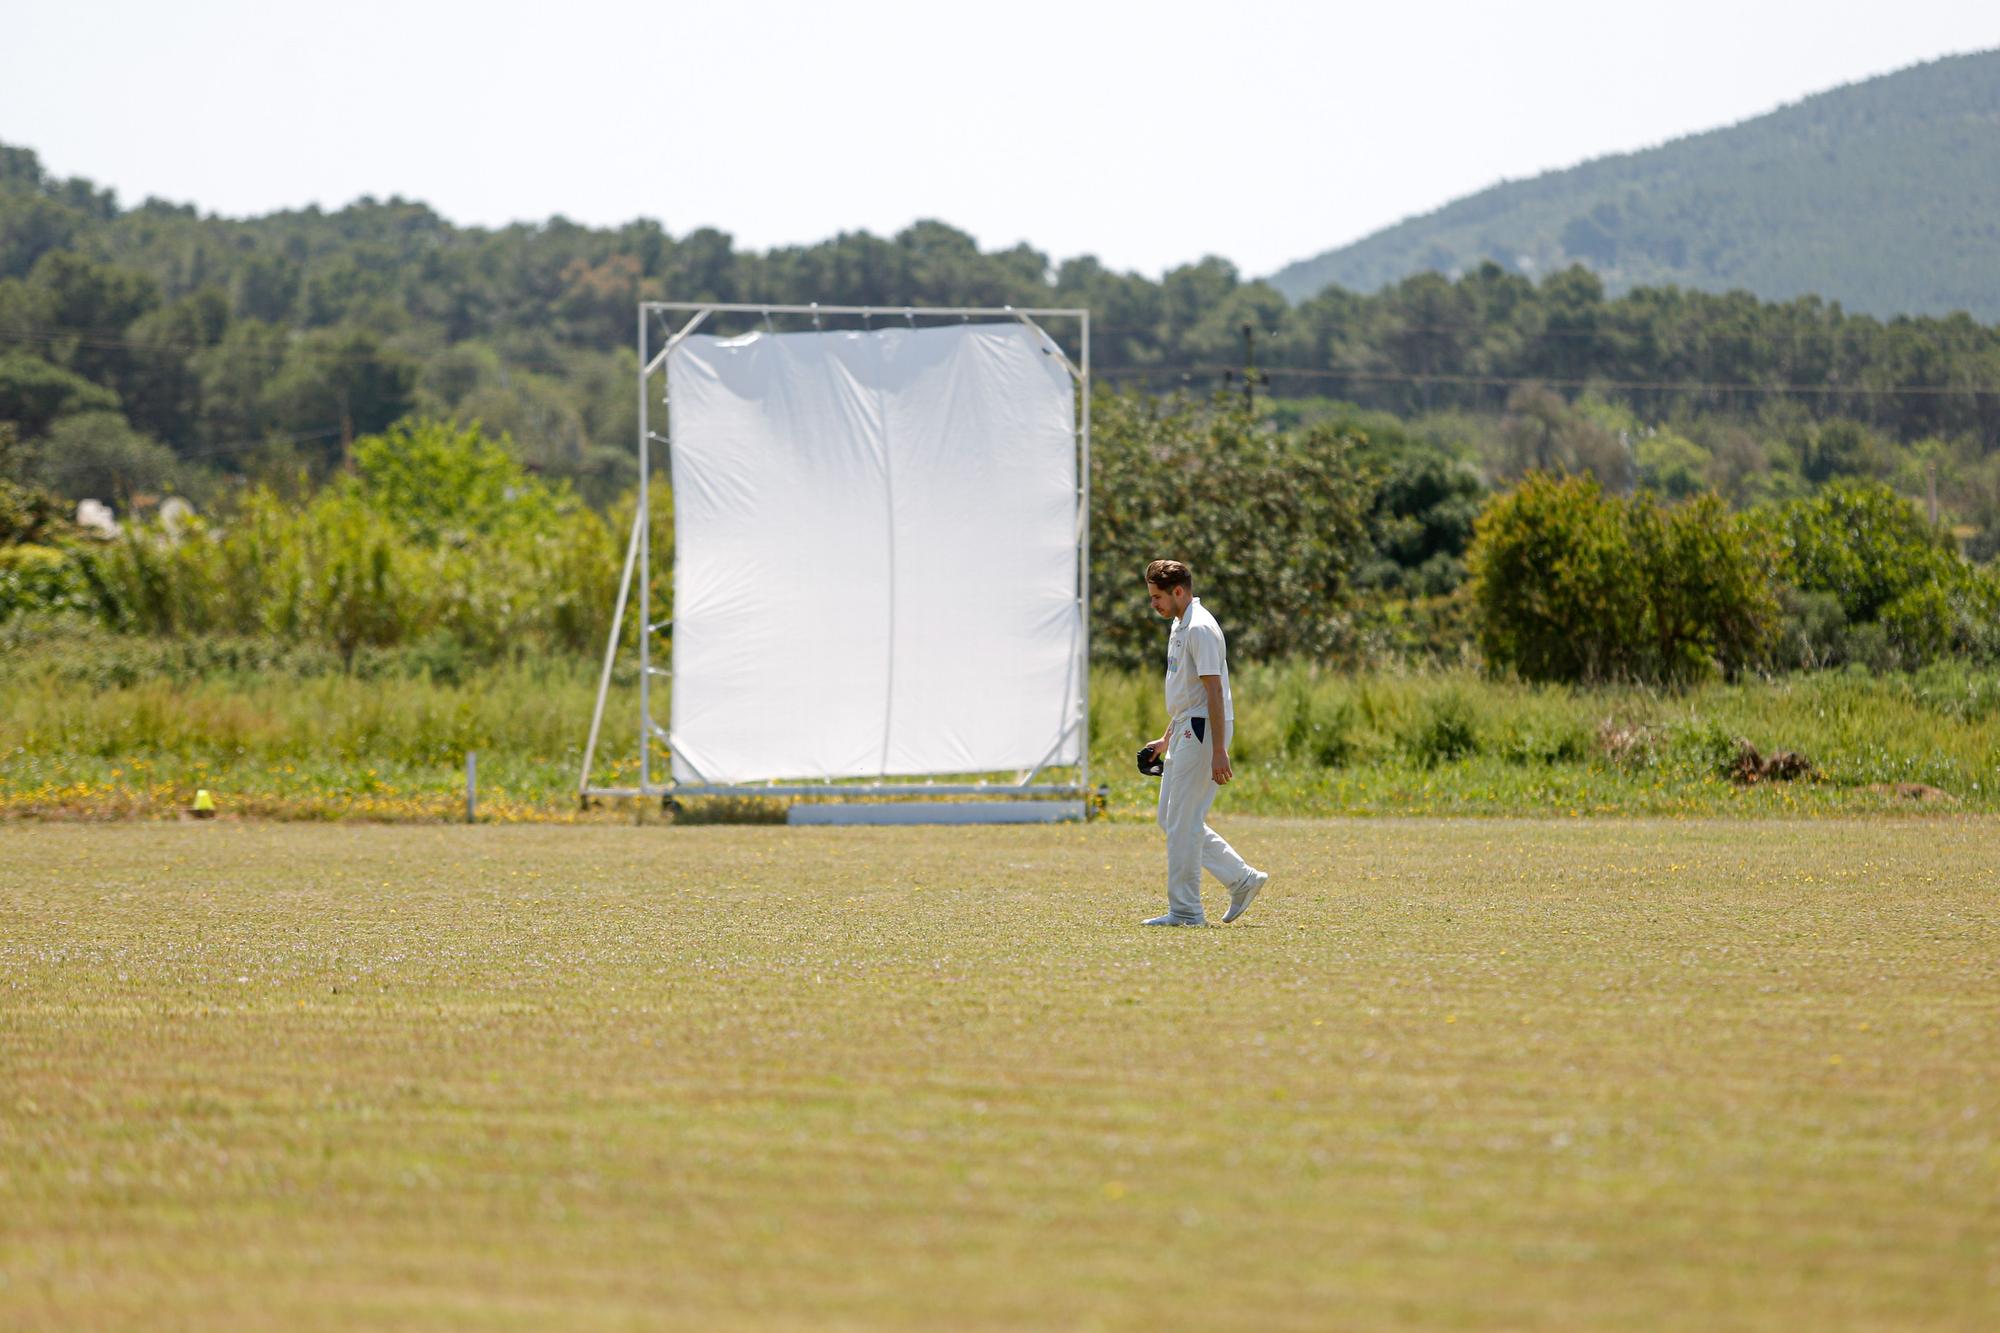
(1187, 789)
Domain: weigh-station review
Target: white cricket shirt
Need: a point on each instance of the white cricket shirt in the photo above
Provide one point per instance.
(1195, 648)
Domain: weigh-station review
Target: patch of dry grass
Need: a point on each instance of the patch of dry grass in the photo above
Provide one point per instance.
(1468, 1074)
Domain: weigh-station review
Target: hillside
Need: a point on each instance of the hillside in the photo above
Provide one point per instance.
(1883, 195)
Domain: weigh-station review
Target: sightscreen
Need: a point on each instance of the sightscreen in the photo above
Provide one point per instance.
(875, 554)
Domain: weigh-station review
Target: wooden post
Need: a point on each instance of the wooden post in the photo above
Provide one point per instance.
(472, 786)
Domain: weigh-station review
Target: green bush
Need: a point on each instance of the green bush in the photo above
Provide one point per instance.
(481, 557)
(1710, 600)
(1862, 543)
(31, 515)
(1556, 583)
(39, 579)
(1272, 523)
(1919, 623)
(443, 483)
(1570, 584)
(1420, 523)
(1905, 595)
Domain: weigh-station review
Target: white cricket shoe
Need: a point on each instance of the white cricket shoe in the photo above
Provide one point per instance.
(1171, 920)
(1244, 894)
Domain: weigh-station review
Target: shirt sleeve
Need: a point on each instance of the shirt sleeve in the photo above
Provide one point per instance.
(1206, 646)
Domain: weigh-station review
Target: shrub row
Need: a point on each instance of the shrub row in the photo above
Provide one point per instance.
(439, 543)
(1572, 584)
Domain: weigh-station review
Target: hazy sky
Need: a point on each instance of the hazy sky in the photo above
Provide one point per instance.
(1147, 134)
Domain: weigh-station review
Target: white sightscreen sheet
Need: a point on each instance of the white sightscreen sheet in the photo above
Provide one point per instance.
(875, 554)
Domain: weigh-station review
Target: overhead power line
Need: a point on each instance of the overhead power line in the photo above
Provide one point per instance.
(1216, 370)
(101, 342)
(1514, 381)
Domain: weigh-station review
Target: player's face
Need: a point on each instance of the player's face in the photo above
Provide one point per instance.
(1164, 601)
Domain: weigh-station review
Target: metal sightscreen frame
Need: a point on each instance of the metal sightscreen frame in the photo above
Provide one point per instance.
(638, 557)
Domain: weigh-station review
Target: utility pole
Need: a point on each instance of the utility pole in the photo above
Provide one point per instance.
(1250, 376)
(346, 433)
(1249, 368)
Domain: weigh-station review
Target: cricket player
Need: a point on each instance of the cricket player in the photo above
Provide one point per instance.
(1200, 715)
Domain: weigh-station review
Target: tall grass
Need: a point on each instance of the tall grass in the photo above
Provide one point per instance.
(1310, 739)
(95, 722)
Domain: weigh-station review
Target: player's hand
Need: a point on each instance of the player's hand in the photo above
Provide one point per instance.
(1222, 772)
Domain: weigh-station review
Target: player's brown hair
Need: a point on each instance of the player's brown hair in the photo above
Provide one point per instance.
(1167, 575)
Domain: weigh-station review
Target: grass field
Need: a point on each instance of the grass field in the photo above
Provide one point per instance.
(1479, 1074)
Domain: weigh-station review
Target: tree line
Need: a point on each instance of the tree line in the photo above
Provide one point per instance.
(242, 362)
(220, 345)
(1324, 543)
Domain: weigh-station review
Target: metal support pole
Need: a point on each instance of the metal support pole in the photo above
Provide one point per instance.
(611, 651)
(472, 786)
(645, 570)
(1083, 663)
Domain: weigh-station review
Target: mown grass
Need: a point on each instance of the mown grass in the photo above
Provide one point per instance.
(1477, 1074)
(98, 725)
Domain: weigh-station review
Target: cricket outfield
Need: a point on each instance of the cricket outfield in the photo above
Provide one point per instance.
(1473, 1073)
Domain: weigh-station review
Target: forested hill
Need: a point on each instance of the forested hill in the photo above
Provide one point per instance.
(1883, 195)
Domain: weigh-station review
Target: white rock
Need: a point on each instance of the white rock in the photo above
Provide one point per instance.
(95, 516)
(174, 515)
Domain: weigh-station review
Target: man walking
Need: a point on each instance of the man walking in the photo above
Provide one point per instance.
(1200, 715)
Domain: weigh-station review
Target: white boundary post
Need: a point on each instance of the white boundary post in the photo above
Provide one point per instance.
(638, 560)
